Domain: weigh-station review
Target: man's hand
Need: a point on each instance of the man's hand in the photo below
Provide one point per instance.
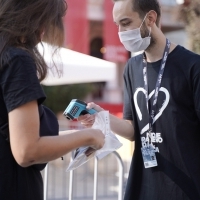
(88, 120)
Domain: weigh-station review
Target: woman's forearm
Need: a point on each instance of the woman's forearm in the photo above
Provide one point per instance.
(49, 148)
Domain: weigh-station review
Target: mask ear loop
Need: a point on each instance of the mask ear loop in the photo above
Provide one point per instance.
(143, 20)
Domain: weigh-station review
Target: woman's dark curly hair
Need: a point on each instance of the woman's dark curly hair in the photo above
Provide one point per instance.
(22, 22)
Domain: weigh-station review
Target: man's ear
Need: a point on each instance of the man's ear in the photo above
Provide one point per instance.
(151, 18)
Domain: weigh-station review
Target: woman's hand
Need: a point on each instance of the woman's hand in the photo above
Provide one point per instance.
(98, 141)
(97, 138)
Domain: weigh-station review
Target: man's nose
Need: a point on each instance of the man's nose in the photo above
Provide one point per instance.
(120, 29)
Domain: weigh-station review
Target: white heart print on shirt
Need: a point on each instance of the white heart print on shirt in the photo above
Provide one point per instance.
(166, 102)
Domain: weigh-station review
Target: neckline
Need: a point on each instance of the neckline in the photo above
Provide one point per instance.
(170, 54)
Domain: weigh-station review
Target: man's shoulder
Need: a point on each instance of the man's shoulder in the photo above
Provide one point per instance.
(133, 65)
(136, 58)
(186, 60)
(134, 61)
(186, 53)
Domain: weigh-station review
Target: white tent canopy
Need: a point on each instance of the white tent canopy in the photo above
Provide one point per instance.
(77, 67)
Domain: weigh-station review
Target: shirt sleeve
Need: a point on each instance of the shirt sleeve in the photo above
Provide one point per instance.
(20, 83)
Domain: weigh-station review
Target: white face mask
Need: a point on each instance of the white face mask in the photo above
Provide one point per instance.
(133, 41)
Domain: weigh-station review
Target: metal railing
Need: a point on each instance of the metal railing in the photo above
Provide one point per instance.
(95, 185)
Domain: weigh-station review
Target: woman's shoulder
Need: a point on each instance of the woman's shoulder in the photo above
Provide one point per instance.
(17, 62)
(16, 58)
(14, 52)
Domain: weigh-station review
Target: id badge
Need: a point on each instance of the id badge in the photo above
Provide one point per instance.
(149, 156)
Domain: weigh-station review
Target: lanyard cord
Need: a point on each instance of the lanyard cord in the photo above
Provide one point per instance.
(158, 83)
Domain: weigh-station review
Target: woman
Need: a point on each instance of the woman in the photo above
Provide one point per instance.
(30, 131)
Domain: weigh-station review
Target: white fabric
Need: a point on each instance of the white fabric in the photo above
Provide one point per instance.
(77, 67)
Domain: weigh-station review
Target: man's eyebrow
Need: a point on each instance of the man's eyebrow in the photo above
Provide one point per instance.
(122, 20)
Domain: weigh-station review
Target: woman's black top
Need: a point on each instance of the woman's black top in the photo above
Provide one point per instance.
(19, 84)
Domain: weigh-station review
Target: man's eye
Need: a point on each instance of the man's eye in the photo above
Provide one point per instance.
(126, 24)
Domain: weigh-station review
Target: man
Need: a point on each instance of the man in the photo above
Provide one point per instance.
(161, 107)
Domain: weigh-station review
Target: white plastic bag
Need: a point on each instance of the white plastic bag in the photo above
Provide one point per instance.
(83, 154)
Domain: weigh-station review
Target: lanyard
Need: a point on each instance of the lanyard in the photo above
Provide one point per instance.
(152, 112)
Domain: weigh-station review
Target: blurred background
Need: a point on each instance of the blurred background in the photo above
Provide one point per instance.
(91, 33)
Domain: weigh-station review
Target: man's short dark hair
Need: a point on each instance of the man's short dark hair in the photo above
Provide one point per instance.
(142, 7)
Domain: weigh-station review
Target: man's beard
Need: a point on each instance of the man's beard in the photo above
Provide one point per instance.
(145, 32)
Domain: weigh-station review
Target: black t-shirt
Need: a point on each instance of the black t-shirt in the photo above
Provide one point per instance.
(176, 128)
(18, 85)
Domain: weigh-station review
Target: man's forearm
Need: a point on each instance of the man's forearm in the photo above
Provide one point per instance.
(122, 127)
